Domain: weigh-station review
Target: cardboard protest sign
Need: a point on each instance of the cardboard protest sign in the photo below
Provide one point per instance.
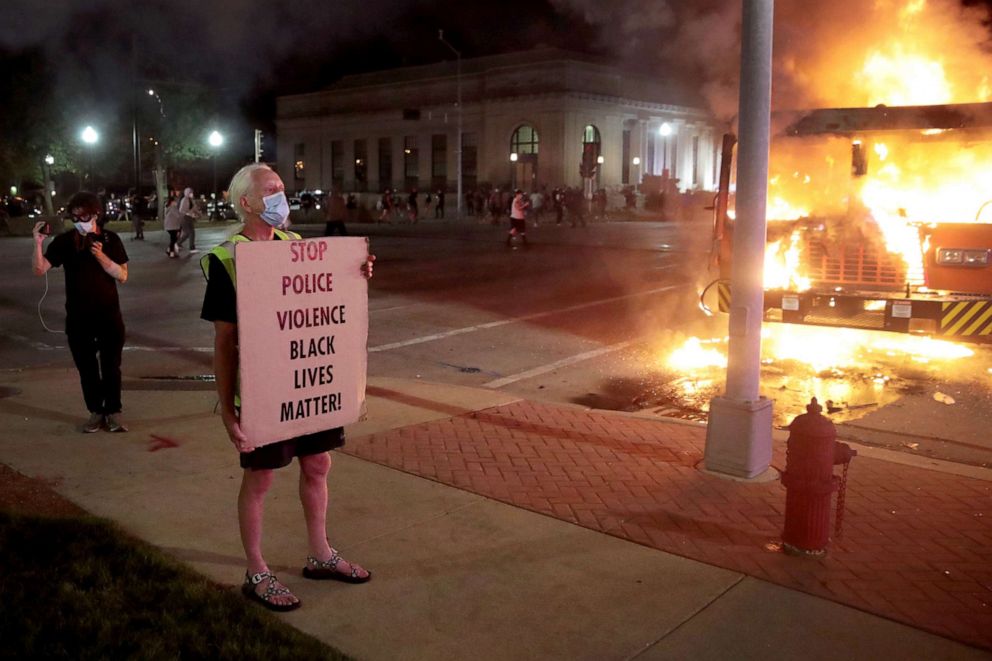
(303, 335)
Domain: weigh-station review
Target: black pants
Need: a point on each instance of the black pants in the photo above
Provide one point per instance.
(188, 231)
(173, 237)
(333, 227)
(96, 349)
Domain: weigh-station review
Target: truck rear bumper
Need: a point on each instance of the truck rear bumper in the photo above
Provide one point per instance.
(957, 317)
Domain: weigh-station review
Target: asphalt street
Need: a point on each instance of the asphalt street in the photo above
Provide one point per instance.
(581, 315)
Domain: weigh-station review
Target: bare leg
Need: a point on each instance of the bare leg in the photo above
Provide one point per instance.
(251, 505)
(313, 495)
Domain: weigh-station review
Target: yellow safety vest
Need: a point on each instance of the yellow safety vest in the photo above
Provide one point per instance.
(225, 253)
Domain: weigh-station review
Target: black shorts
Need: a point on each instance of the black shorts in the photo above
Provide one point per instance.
(278, 455)
(519, 224)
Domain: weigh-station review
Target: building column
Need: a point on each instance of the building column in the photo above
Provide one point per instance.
(638, 151)
(452, 162)
(398, 143)
(372, 164)
(348, 154)
(424, 161)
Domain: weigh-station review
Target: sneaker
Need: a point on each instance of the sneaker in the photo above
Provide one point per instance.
(93, 424)
(193, 251)
(114, 423)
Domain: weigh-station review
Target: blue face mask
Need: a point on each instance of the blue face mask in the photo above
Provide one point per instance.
(84, 228)
(276, 209)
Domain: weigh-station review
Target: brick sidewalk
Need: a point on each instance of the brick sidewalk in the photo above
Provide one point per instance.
(917, 544)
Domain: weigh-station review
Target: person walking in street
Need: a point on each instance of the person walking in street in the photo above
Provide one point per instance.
(518, 217)
(94, 262)
(335, 214)
(188, 212)
(259, 197)
(411, 206)
(470, 202)
(172, 224)
(137, 222)
(439, 203)
(386, 207)
(537, 206)
(494, 212)
(558, 198)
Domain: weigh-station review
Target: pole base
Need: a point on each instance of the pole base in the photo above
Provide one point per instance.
(789, 549)
(739, 437)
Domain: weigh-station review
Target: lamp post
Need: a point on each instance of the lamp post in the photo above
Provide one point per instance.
(47, 173)
(90, 137)
(215, 140)
(158, 172)
(458, 57)
(739, 430)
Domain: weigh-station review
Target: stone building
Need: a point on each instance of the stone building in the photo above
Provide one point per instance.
(528, 119)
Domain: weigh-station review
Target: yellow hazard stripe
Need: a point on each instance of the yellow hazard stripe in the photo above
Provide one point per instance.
(980, 321)
(966, 318)
(723, 292)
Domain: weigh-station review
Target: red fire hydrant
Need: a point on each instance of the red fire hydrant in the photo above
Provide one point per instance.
(809, 481)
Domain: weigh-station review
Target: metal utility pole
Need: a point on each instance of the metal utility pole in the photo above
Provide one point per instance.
(135, 134)
(739, 432)
(458, 56)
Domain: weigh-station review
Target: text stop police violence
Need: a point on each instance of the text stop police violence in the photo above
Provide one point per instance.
(308, 283)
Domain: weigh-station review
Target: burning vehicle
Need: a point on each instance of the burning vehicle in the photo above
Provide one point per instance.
(878, 218)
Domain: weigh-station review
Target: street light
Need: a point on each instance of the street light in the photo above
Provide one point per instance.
(47, 171)
(161, 106)
(215, 140)
(90, 137)
(458, 57)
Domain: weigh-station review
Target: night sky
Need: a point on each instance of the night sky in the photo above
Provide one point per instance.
(250, 50)
(95, 53)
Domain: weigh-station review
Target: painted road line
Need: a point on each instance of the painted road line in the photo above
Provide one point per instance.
(394, 307)
(514, 320)
(564, 362)
(34, 344)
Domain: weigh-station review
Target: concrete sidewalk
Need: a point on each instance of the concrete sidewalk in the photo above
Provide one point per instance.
(458, 573)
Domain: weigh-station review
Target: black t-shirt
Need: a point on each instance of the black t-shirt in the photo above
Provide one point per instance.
(219, 301)
(89, 291)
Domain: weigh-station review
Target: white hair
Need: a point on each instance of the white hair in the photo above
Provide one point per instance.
(240, 185)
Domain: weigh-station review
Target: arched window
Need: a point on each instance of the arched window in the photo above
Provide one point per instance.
(590, 135)
(524, 140)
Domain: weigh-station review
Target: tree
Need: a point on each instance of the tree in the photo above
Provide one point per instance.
(176, 118)
(32, 125)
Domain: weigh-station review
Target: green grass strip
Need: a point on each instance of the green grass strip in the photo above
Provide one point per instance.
(80, 588)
